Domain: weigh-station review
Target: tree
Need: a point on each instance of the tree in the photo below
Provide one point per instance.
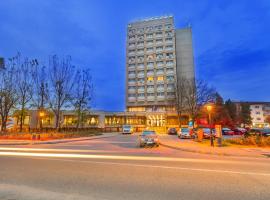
(82, 94)
(61, 78)
(231, 110)
(267, 119)
(198, 93)
(8, 92)
(245, 114)
(221, 115)
(25, 86)
(41, 89)
(180, 100)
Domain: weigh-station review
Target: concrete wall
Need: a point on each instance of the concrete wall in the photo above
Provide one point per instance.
(184, 53)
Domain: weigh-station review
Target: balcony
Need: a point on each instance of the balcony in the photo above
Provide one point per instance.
(140, 75)
(140, 67)
(170, 72)
(141, 98)
(150, 51)
(160, 72)
(133, 90)
(131, 75)
(131, 83)
(150, 73)
(160, 81)
(160, 98)
(160, 89)
(150, 66)
(140, 90)
(150, 98)
(150, 90)
(131, 38)
(131, 99)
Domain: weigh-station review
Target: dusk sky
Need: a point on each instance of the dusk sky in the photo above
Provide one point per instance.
(231, 40)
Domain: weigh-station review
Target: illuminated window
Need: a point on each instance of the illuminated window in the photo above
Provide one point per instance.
(150, 78)
(160, 78)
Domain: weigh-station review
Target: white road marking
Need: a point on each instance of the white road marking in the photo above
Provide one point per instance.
(164, 167)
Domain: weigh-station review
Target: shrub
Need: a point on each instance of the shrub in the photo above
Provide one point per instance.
(250, 140)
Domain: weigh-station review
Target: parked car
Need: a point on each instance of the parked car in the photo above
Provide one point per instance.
(263, 132)
(148, 138)
(127, 129)
(207, 132)
(239, 131)
(184, 133)
(227, 131)
(172, 131)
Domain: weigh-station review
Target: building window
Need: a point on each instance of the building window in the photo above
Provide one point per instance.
(150, 78)
(159, 41)
(160, 78)
(141, 80)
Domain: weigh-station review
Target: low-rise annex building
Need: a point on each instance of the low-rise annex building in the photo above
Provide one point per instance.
(105, 121)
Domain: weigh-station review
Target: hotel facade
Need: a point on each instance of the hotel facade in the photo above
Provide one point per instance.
(157, 55)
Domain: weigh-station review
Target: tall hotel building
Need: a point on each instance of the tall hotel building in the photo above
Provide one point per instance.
(157, 54)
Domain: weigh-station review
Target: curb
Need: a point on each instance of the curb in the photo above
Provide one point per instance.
(208, 153)
(59, 141)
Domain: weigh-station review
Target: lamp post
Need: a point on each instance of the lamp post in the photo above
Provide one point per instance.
(209, 109)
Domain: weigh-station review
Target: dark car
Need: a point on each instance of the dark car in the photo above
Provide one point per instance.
(148, 138)
(172, 131)
(239, 131)
(227, 131)
(207, 133)
(263, 132)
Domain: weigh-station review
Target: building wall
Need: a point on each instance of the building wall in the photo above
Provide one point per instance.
(259, 114)
(184, 54)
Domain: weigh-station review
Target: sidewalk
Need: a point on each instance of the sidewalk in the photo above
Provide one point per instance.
(188, 145)
(33, 142)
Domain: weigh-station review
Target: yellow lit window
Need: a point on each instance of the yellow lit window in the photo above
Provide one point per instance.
(160, 78)
(150, 78)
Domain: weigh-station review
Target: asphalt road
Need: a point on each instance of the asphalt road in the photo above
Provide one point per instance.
(115, 168)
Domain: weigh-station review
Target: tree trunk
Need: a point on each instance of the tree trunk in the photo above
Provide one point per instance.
(4, 124)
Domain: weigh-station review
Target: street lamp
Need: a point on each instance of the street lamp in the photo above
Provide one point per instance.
(209, 109)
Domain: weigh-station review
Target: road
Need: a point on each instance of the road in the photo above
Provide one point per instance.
(115, 168)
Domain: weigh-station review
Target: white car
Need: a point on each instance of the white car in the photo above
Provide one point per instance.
(184, 133)
(127, 129)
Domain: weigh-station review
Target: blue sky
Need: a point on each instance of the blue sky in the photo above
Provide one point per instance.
(231, 40)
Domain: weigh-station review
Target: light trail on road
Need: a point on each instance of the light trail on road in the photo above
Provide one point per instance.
(120, 157)
(53, 150)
